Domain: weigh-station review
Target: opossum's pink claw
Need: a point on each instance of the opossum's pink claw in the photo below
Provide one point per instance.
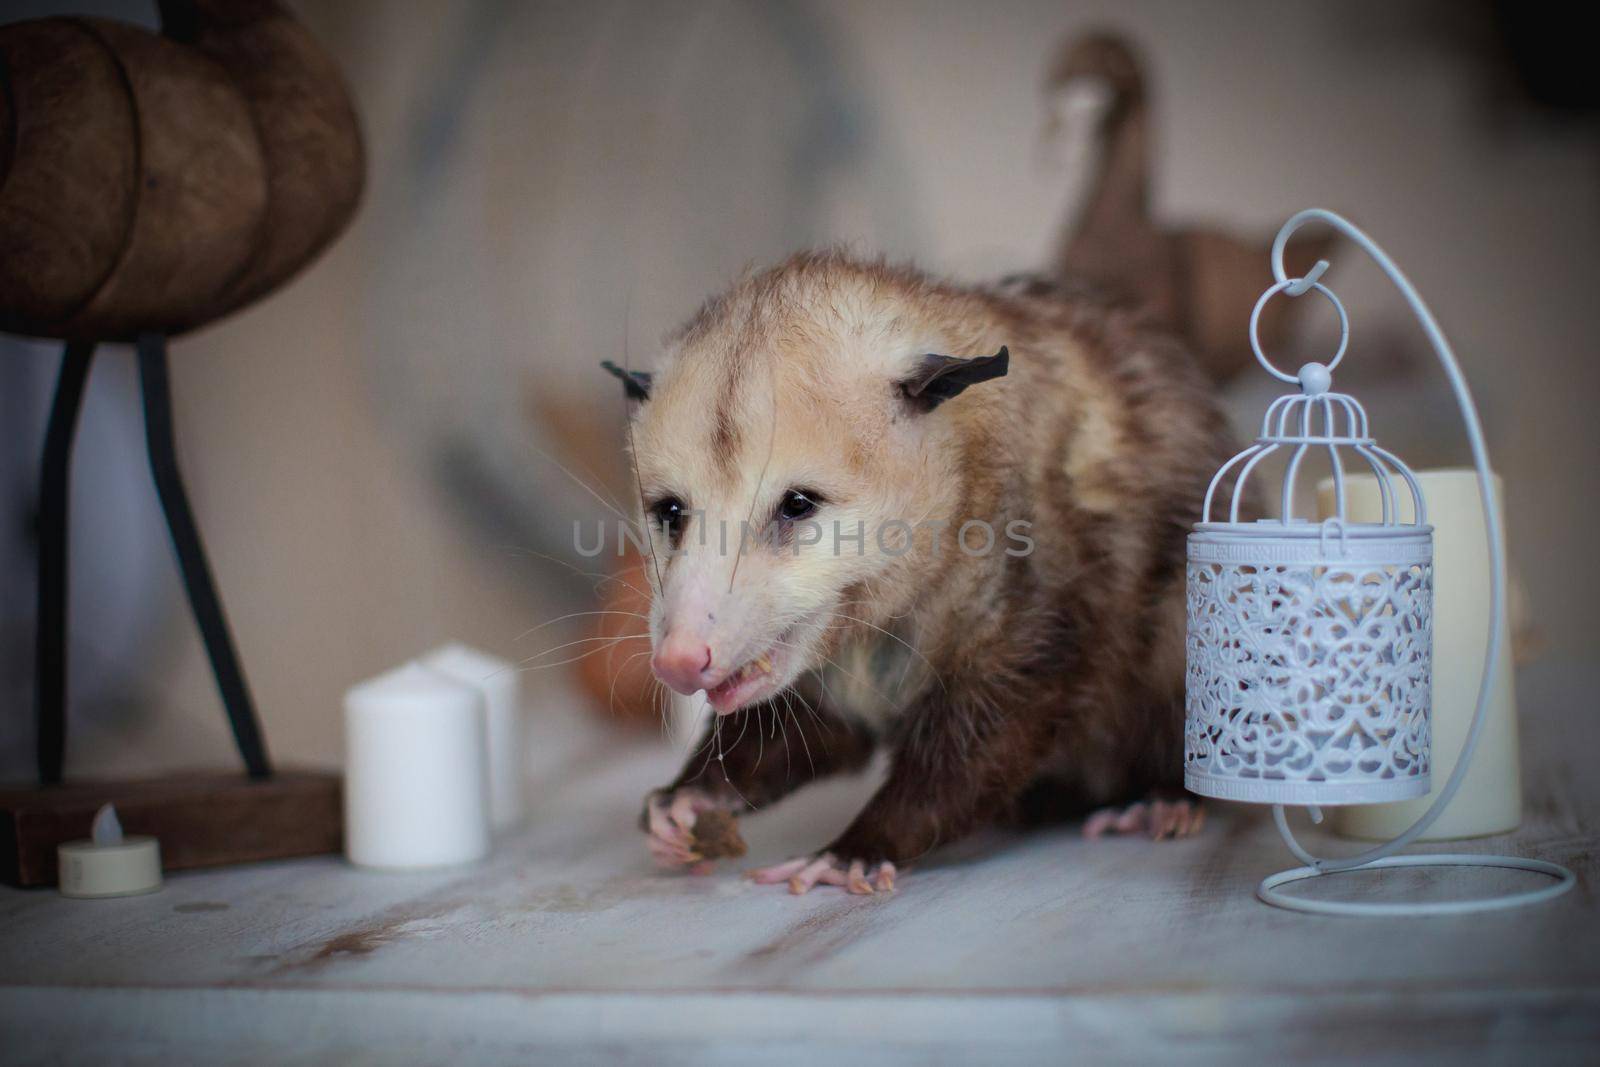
(687, 804)
(1159, 818)
(670, 819)
(1176, 818)
(778, 872)
(856, 880)
(1134, 818)
(1096, 825)
(883, 881)
(662, 826)
(668, 854)
(823, 869)
(806, 872)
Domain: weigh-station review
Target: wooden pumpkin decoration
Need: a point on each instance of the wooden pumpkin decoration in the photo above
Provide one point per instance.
(153, 183)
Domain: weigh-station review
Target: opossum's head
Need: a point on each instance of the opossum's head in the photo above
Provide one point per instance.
(786, 452)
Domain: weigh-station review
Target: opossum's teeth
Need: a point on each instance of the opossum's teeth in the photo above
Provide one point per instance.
(747, 677)
(762, 664)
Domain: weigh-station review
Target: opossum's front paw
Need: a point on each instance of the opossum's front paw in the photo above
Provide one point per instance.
(1158, 818)
(803, 872)
(669, 820)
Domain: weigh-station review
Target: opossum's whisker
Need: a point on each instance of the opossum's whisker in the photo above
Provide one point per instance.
(633, 452)
(822, 728)
(827, 694)
(608, 505)
(706, 746)
(761, 737)
(800, 727)
(755, 498)
(616, 676)
(562, 663)
(840, 668)
(600, 578)
(713, 745)
(777, 719)
(662, 706)
(722, 763)
(613, 639)
(743, 726)
(578, 615)
(606, 644)
(894, 637)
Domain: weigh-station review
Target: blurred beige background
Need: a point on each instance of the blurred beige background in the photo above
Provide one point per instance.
(367, 450)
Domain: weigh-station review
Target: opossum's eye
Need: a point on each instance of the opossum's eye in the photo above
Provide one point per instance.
(669, 515)
(798, 504)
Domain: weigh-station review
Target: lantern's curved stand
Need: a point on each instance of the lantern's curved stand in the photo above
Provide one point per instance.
(1384, 855)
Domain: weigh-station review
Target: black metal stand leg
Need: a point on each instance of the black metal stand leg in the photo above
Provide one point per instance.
(50, 649)
(197, 579)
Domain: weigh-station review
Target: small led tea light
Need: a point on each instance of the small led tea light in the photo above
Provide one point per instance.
(1310, 644)
(109, 864)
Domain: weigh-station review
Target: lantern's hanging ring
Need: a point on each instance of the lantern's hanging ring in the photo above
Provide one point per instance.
(1288, 285)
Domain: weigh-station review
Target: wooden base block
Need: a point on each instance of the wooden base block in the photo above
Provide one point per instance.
(201, 820)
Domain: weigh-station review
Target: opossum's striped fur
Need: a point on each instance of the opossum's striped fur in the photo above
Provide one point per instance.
(989, 676)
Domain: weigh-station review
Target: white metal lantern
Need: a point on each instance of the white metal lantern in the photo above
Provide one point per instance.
(1310, 644)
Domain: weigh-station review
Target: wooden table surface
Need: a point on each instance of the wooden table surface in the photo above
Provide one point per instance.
(568, 946)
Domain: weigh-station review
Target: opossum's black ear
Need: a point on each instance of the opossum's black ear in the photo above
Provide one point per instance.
(636, 383)
(938, 378)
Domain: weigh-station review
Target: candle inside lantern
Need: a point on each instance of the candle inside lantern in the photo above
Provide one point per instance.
(109, 863)
(416, 771)
(501, 688)
(1490, 798)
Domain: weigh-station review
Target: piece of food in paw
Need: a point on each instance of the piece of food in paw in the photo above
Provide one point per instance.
(716, 836)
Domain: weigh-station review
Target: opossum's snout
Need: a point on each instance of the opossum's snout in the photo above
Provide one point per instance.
(733, 662)
(729, 685)
(684, 663)
(740, 629)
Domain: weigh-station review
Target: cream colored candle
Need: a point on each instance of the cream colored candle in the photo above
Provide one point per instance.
(1490, 799)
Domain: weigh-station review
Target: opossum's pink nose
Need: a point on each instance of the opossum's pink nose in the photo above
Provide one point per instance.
(684, 662)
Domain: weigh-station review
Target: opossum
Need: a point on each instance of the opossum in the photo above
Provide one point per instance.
(890, 511)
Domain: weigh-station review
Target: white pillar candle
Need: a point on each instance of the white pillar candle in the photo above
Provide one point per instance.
(502, 693)
(416, 771)
(1490, 798)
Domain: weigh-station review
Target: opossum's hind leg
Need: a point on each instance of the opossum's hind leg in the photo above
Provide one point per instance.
(1161, 817)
